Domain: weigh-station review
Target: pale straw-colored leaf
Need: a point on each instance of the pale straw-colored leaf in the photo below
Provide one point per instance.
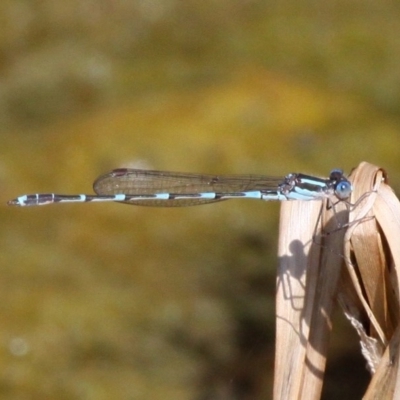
(314, 242)
(372, 255)
(364, 254)
(308, 273)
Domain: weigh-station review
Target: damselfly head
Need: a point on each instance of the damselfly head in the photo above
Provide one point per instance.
(343, 187)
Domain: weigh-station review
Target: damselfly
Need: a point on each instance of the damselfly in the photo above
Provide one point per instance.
(160, 188)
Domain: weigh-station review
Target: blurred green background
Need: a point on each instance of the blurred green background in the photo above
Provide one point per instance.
(103, 301)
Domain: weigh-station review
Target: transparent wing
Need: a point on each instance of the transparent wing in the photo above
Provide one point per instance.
(147, 182)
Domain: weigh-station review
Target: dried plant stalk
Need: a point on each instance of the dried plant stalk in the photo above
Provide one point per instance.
(372, 255)
(310, 277)
(308, 274)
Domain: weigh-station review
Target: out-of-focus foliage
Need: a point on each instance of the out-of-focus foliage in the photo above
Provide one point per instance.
(110, 301)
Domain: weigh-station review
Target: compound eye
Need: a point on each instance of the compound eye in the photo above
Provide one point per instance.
(343, 190)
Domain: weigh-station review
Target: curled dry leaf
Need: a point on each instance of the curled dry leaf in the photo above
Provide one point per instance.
(308, 274)
(315, 243)
(372, 256)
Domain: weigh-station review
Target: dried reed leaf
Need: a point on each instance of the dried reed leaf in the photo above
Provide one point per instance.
(365, 260)
(309, 270)
(310, 275)
(372, 252)
(384, 383)
(372, 257)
